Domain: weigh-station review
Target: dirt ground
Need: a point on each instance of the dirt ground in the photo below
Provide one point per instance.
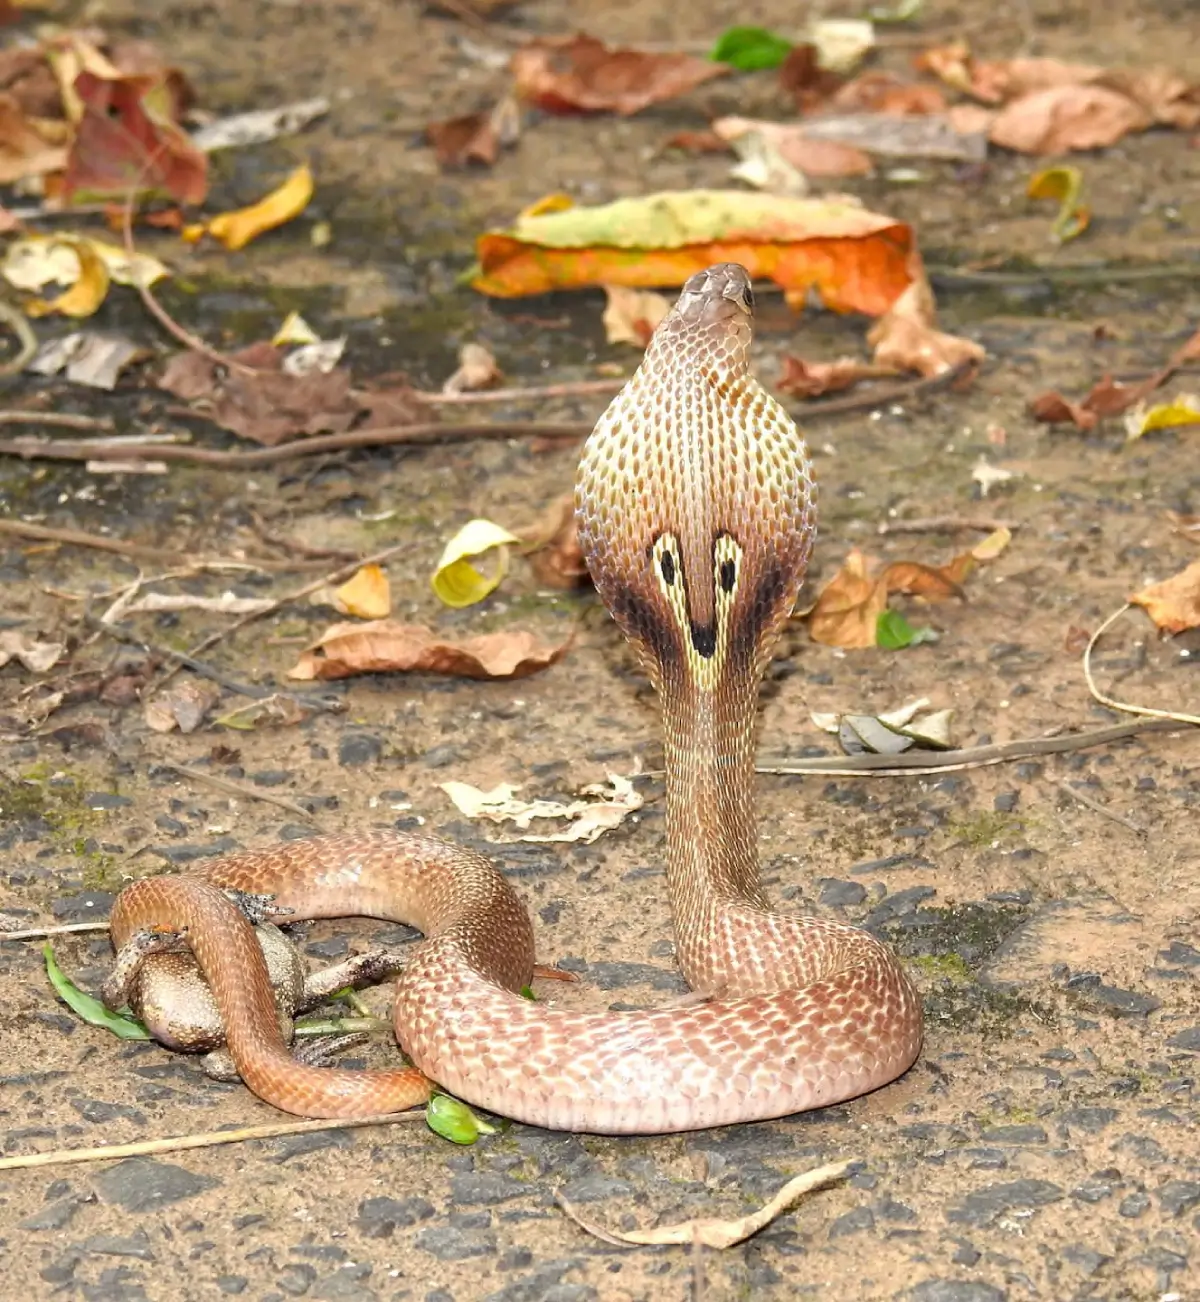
(1046, 1144)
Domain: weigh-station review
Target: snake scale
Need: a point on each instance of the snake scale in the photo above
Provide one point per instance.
(696, 512)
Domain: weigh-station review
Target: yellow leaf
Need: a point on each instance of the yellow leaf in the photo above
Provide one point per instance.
(1181, 410)
(86, 294)
(992, 545)
(367, 595)
(856, 260)
(39, 260)
(236, 229)
(295, 330)
(547, 204)
(1065, 185)
(456, 581)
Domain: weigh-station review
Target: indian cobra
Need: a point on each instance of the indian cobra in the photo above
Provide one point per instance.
(696, 511)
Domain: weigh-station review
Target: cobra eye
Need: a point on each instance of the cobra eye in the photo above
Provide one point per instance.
(748, 296)
(728, 575)
(667, 564)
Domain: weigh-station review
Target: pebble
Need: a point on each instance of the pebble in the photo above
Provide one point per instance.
(357, 748)
(854, 1221)
(487, 1187)
(955, 1290)
(1134, 1205)
(1179, 1196)
(450, 1243)
(144, 1185)
(983, 1206)
(84, 907)
(840, 894)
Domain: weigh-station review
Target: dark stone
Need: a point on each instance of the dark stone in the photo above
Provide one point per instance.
(617, 976)
(357, 748)
(1189, 1039)
(1180, 953)
(870, 866)
(1090, 1120)
(1015, 1135)
(966, 1254)
(190, 852)
(1005, 802)
(1124, 1003)
(1030, 769)
(897, 905)
(379, 1218)
(298, 1145)
(1010, 897)
(487, 1188)
(1142, 1147)
(334, 947)
(296, 1278)
(1134, 1205)
(106, 800)
(545, 1285)
(1092, 1191)
(839, 894)
(346, 1285)
(1087, 1259)
(232, 1284)
(53, 1217)
(439, 757)
(271, 777)
(84, 907)
(986, 1159)
(99, 1112)
(595, 1187)
(449, 1243)
(855, 1221)
(143, 1185)
(116, 1245)
(955, 1290)
(1179, 1196)
(984, 1205)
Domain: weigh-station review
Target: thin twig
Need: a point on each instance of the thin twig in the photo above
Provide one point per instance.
(59, 419)
(206, 1139)
(77, 538)
(922, 763)
(41, 933)
(153, 306)
(423, 434)
(572, 389)
(1096, 807)
(1145, 710)
(243, 792)
(26, 339)
(946, 524)
(204, 670)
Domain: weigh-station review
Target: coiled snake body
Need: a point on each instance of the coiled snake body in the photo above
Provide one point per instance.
(695, 507)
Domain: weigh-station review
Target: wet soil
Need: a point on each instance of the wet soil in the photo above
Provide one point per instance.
(1046, 1144)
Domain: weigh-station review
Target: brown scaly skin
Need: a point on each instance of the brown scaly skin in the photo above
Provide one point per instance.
(696, 513)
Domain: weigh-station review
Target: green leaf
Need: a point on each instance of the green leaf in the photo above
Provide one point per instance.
(527, 993)
(893, 632)
(750, 48)
(85, 1006)
(454, 1121)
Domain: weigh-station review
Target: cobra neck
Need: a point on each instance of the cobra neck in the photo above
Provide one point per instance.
(709, 745)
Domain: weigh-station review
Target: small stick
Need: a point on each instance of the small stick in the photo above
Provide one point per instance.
(237, 789)
(1096, 807)
(1146, 710)
(41, 933)
(206, 1139)
(59, 419)
(423, 434)
(76, 538)
(925, 763)
(26, 339)
(199, 666)
(946, 524)
(568, 390)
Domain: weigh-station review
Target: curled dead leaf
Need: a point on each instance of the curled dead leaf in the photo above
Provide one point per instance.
(588, 819)
(236, 229)
(631, 316)
(457, 581)
(37, 657)
(812, 379)
(553, 546)
(846, 612)
(575, 74)
(386, 646)
(477, 369)
(793, 143)
(1064, 118)
(1173, 604)
(366, 595)
(181, 705)
(906, 336)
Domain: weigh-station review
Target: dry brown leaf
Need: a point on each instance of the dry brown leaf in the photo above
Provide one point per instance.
(588, 819)
(932, 582)
(1186, 525)
(883, 92)
(477, 369)
(269, 406)
(811, 156)
(386, 646)
(906, 337)
(802, 77)
(1169, 98)
(1068, 117)
(555, 554)
(846, 613)
(631, 316)
(811, 379)
(33, 655)
(476, 137)
(183, 705)
(712, 1232)
(1173, 604)
(697, 142)
(28, 146)
(576, 74)
(1107, 397)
